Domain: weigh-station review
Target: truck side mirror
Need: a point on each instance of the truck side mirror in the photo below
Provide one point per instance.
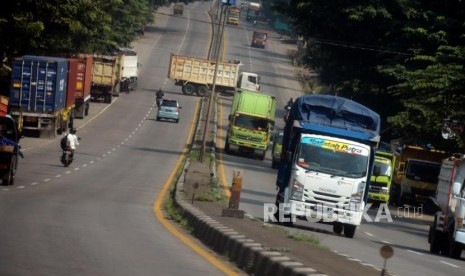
(376, 171)
(401, 167)
(288, 156)
(456, 188)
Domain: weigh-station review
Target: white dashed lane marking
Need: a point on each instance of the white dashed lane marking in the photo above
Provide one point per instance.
(415, 252)
(98, 158)
(453, 265)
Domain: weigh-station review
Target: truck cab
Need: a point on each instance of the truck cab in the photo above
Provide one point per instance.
(251, 123)
(383, 171)
(178, 8)
(248, 81)
(259, 39)
(328, 155)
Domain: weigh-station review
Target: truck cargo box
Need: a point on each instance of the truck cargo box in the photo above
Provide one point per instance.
(201, 71)
(105, 70)
(84, 77)
(38, 84)
(72, 82)
(324, 112)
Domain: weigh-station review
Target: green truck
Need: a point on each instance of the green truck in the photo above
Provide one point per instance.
(381, 179)
(251, 123)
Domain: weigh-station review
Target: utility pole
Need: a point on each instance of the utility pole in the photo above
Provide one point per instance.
(221, 24)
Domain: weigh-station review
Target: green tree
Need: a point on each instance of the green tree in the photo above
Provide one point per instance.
(403, 58)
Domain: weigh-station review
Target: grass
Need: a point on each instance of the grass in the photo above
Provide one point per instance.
(279, 249)
(298, 236)
(175, 213)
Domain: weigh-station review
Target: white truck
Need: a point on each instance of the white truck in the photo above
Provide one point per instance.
(447, 234)
(196, 75)
(129, 69)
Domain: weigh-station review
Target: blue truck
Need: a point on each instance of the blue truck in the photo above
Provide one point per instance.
(327, 161)
(38, 93)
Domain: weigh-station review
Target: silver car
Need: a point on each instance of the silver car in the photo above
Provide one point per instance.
(168, 110)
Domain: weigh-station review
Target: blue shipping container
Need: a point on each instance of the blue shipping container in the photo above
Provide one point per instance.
(38, 84)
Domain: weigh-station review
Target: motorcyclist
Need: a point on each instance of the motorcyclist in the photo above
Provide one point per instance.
(287, 109)
(289, 104)
(73, 140)
(159, 95)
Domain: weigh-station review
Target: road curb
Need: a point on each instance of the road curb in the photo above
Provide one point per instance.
(248, 255)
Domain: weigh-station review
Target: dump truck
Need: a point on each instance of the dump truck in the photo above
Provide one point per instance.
(105, 78)
(259, 39)
(381, 179)
(195, 75)
(251, 123)
(40, 100)
(416, 174)
(253, 10)
(447, 233)
(178, 8)
(328, 156)
(83, 85)
(233, 16)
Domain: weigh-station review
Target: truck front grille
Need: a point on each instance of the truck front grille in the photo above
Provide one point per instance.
(326, 199)
(248, 138)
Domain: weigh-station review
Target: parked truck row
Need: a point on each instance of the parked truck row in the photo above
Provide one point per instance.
(48, 93)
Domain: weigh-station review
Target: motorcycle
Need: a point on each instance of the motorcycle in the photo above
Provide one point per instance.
(67, 156)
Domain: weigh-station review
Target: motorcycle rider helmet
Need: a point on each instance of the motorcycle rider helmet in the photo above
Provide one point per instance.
(72, 131)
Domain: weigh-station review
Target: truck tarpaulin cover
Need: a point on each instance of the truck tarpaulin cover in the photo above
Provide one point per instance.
(335, 112)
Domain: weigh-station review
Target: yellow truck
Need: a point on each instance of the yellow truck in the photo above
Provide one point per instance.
(105, 78)
(178, 8)
(233, 15)
(195, 75)
(416, 174)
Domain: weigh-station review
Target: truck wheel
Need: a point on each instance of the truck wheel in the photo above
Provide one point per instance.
(287, 217)
(337, 228)
(188, 89)
(349, 230)
(434, 245)
(455, 249)
(202, 91)
(226, 147)
(9, 177)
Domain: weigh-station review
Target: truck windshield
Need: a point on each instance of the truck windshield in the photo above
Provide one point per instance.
(333, 157)
(423, 171)
(250, 122)
(260, 35)
(384, 169)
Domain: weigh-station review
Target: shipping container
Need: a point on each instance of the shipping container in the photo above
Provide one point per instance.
(72, 82)
(83, 85)
(38, 93)
(39, 84)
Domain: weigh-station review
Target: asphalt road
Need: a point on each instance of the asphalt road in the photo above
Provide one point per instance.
(405, 233)
(96, 217)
